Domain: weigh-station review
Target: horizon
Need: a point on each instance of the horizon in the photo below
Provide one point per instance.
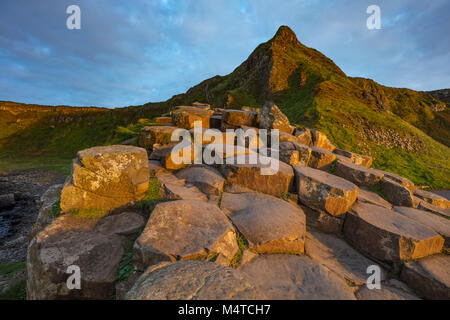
(146, 59)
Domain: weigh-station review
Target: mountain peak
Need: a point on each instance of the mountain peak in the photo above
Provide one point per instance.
(285, 34)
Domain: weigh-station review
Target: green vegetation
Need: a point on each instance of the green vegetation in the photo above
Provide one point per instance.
(10, 163)
(243, 245)
(15, 292)
(56, 209)
(152, 197)
(126, 263)
(332, 169)
(8, 270)
(18, 290)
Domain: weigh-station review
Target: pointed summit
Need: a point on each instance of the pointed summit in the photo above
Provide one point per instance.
(285, 34)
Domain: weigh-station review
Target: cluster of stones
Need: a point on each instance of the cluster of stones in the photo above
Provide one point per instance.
(310, 231)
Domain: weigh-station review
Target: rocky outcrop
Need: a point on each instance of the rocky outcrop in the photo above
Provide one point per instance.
(269, 224)
(185, 116)
(432, 198)
(232, 119)
(289, 277)
(208, 180)
(358, 159)
(105, 178)
(272, 118)
(438, 224)
(184, 230)
(389, 236)
(193, 280)
(322, 191)
(359, 175)
(429, 276)
(249, 176)
(149, 136)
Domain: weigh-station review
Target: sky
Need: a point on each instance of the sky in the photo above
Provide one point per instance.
(138, 51)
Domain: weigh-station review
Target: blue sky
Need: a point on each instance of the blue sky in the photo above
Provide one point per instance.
(136, 51)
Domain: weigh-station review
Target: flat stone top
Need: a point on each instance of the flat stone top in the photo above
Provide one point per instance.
(184, 226)
(262, 217)
(283, 168)
(116, 149)
(193, 280)
(426, 194)
(194, 110)
(225, 111)
(435, 267)
(357, 167)
(321, 150)
(392, 221)
(324, 178)
(439, 224)
(291, 277)
(373, 198)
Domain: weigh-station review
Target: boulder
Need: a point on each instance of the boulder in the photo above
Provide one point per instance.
(186, 156)
(433, 209)
(291, 277)
(123, 224)
(159, 151)
(185, 116)
(321, 159)
(430, 276)
(271, 117)
(303, 152)
(249, 176)
(231, 119)
(193, 280)
(7, 201)
(148, 136)
(320, 140)
(365, 196)
(400, 180)
(286, 137)
(185, 230)
(438, 224)
(357, 174)
(323, 221)
(396, 193)
(385, 293)
(201, 105)
(48, 208)
(207, 179)
(173, 188)
(303, 136)
(361, 160)
(163, 120)
(432, 198)
(72, 241)
(338, 256)
(322, 191)
(105, 178)
(215, 122)
(269, 224)
(290, 157)
(389, 236)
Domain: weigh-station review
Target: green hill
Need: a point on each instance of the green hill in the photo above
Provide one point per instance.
(407, 132)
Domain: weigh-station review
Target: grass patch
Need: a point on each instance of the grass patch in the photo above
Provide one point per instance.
(152, 197)
(243, 245)
(61, 165)
(16, 292)
(332, 169)
(56, 209)
(126, 263)
(8, 270)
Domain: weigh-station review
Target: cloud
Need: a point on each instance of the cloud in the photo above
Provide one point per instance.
(132, 52)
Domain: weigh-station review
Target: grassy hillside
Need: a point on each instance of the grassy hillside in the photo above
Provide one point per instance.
(407, 132)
